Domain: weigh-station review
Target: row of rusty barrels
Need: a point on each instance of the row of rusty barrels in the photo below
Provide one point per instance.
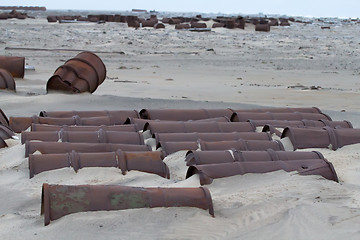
(262, 24)
(14, 14)
(30, 8)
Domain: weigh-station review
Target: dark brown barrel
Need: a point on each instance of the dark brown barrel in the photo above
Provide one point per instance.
(183, 114)
(244, 145)
(159, 26)
(296, 116)
(215, 157)
(60, 200)
(201, 127)
(100, 136)
(117, 128)
(326, 137)
(172, 147)
(6, 80)
(84, 73)
(65, 147)
(198, 25)
(149, 162)
(305, 167)
(120, 115)
(14, 65)
(211, 137)
(281, 110)
(262, 27)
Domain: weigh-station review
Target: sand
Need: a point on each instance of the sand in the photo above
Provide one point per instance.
(182, 69)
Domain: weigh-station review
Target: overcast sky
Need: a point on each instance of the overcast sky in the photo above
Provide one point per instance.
(316, 8)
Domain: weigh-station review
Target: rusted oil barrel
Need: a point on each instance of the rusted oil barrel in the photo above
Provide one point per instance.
(200, 127)
(52, 19)
(294, 116)
(58, 201)
(262, 27)
(215, 157)
(198, 25)
(184, 114)
(65, 147)
(14, 65)
(211, 137)
(6, 80)
(100, 136)
(149, 162)
(209, 172)
(326, 137)
(243, 145)
(117, 128)
(218, 25)
(84, 73)
(281, 110)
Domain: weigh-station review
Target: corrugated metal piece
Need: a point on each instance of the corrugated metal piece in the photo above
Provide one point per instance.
(183, 114)
(296, 116)
(244, 145)
(305, 167)
(6, 80)
(200, 127)
(84, 73)
(14, 65)
(100, 136)
(326, 137)
(216, 157)
(150, 162)
(117, 128)
(65, 147)
(60, 200)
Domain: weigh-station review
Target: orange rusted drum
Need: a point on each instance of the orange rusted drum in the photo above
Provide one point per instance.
(84, 73)
(14, 65)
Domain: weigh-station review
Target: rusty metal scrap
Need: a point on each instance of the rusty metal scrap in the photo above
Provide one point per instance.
(209, 172)
(100, 136)
(326, 137)
(150, 162)
(119, 115)
(84, 73)
(14, 65)
(6, 80)
(281, 110)
(65, 147)
(60, 200)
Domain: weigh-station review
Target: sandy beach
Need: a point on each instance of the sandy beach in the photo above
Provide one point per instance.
(297, 66)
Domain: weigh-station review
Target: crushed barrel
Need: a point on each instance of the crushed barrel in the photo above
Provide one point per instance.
(84, 73)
